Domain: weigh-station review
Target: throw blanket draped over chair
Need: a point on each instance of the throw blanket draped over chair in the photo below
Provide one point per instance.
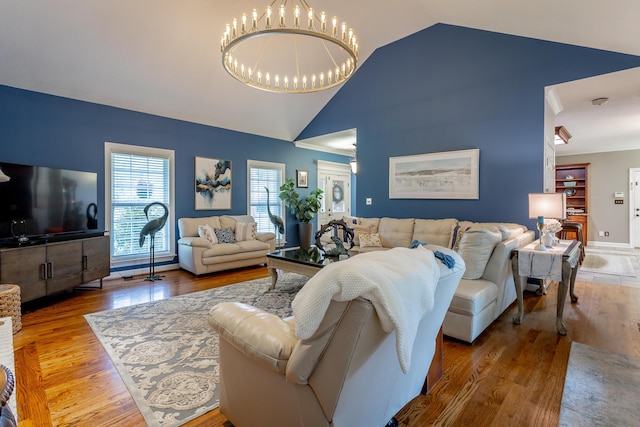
(400, 283)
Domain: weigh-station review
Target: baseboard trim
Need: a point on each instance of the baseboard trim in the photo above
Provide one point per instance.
(609, 244)
(121, 274)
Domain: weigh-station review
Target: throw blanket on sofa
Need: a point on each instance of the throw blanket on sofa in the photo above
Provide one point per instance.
(400, 283)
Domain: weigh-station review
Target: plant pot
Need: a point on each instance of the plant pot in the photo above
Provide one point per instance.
(305, 234)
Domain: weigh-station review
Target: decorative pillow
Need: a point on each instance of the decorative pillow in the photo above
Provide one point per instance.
(357, 231)
(225, 235)
(206, 232)
(370, 240)
(245, 231)
(456, 236)
(476, 247)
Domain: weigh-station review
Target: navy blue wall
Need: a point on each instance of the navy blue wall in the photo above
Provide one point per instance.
(453, 88)
(45, 130)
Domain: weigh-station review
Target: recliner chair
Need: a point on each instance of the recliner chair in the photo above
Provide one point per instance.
(347, 374)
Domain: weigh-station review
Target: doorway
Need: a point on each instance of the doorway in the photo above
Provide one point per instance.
(334, 179)
(634, 207)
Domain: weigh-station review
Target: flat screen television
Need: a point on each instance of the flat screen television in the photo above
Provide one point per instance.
(46, 203)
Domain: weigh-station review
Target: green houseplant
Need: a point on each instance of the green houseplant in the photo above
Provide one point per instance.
(304, 209)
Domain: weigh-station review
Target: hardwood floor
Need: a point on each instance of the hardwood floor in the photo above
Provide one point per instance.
(512, 375)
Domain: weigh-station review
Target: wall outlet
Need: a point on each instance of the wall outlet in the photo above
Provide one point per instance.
(368, 201)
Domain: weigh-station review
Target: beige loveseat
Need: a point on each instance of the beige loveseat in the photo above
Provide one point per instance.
(347, 373)
(199, 256)
(486, 288)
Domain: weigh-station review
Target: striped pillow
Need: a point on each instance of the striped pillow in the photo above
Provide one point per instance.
(245, 231)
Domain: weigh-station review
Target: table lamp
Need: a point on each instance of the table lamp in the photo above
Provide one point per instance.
(550, 205)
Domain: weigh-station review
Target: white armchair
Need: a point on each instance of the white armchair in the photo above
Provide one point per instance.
(346, 374)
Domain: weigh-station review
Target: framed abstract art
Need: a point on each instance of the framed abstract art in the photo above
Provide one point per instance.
(212, 184)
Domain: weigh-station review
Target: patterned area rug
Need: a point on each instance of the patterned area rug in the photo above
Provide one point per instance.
(600, 389)
(166, 352)
(617, 265)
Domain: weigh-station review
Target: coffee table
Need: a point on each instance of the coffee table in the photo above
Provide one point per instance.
(302, 261)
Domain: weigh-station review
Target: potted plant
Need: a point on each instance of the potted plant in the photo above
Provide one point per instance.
(304, 209)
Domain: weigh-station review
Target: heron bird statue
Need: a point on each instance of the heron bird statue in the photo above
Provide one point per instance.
(150, 229)
(277, 222)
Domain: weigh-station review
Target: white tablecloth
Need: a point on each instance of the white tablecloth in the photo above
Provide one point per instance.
(542, 264)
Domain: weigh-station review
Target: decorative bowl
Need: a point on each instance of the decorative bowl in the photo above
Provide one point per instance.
(568, 177)
(569, 183)
(570, 191)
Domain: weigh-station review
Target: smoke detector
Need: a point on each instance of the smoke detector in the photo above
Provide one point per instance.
(599, 101)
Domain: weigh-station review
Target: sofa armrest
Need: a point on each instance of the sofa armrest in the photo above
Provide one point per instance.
(265, 237)
(269, 238)
(196, 242)
(497, 268)
(263, 337)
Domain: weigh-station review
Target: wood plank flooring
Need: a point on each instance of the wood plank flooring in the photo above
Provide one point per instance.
(512, 375)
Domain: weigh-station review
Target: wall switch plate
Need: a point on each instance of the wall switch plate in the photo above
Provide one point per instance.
(618, 202)
(618, 194)
(601, 233)
(369, 201)
(606, 234)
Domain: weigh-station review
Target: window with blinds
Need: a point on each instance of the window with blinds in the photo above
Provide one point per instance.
(271, 176)
(138, 177)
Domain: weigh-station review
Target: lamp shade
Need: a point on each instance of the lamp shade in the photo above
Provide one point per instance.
(549, 205)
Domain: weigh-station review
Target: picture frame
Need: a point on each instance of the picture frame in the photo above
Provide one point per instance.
(443, 175)
(302, 178)
(212, 184)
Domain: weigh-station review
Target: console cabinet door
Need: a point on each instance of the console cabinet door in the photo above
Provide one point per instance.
(25, 267)
(64, 265)
(95, 258)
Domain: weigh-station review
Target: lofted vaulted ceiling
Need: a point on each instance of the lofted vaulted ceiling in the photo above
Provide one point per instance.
(162, 56)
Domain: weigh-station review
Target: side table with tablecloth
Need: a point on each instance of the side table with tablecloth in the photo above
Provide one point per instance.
(559, 262)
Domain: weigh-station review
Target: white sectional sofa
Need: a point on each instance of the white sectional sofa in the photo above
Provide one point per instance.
(201, 256)
(486, 288)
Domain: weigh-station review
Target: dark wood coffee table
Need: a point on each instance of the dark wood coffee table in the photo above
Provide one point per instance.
(302, 261)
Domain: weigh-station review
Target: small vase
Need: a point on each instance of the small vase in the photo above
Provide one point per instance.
(547, 239)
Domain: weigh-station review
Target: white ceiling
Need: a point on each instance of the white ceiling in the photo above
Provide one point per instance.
(612, 126)
(162, 56)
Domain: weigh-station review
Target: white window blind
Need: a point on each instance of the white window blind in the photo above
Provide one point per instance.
(137, 180)
(261, 175)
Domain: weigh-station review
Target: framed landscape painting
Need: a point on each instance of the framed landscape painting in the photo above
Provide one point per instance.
(212, 184)
(444, 175)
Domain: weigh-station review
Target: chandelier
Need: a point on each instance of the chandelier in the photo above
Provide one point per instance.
(289, 48)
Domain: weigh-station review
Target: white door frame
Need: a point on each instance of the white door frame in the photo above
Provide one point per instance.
(328, 168)
(632, 203)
